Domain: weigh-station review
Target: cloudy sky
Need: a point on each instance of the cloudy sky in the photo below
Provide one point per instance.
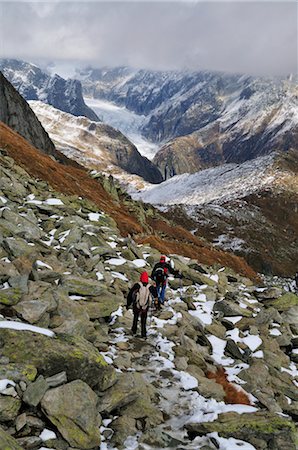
(235, 36)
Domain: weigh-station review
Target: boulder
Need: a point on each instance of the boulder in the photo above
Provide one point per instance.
(72, 354)
(285, 302)
(9, 408)
(229, 308)
(18, 372)
(7, 442)
(10, 296)
(32, 310)
(262, 429)
(72, 408)
(83, 286)
(126, 390)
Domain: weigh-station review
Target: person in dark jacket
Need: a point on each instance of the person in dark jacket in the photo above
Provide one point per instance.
(139, 297)
(160, 275)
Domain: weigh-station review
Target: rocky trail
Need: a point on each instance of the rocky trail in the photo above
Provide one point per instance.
(218, 369)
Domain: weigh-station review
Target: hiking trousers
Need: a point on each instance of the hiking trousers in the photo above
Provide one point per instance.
(136, 313)
(161, 292)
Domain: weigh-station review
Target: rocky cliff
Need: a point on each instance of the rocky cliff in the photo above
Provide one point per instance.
(219, 366)
(34, 84)
(17, 114)
(96, 146)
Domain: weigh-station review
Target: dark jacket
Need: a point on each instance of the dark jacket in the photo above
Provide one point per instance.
(132, 294)
(167, 269)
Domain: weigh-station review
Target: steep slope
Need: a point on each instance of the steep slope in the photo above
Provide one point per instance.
(221, 353)
(145, 224)
(34, 84)
(249, 208)
(17, 114)
(95, 145)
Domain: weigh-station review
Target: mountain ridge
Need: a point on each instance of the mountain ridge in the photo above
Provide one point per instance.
(35, 84)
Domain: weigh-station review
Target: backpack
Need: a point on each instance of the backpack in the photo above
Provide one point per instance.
(141, 299)
(160, 275)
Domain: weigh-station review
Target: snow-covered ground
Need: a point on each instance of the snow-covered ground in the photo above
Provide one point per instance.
(222, 183)
(125, 121)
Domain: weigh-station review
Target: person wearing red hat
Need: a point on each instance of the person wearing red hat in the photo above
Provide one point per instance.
(139, 297)
(160, 274)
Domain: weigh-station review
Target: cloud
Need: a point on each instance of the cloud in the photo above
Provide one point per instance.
(247, 37)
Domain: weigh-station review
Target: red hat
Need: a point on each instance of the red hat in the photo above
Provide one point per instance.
(144, 278)
(162, 258)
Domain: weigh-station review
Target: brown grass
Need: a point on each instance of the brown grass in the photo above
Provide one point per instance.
(72, 179)
(233, 394)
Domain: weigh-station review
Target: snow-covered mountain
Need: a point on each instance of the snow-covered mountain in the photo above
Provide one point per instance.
(203, 118)
(34, 84)
(249, 208)
(96, 146)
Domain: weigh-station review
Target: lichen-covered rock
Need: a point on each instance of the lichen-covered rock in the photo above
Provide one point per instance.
(72, 408)
(9, 408)
(285, 302)
(274, 432)
(82, 286)
(10, 296)
(72, 354)
(7, 442)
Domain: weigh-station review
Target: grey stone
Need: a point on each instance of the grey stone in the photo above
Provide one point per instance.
(21, 421)
(7, 442)
(121, 394)
(72, 408)
(10, 296)
(57, 379)
(35, 391)
(9, 408)
(30, 442)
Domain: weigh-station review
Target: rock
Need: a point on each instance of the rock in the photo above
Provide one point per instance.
(32, 311)
(18, 372)
(291, 317)
(57, 379)
(231, 349)
(17, 247)
(35, 391)
(10, 296)
(7, 442)
(21, 421)
(123, 361)
(126, 390)
(29, 442)
(104, 307)
(210, 389)
(9, 408)
(82, 286)
(123, 427)
(72, 408)
(72, 354)
(285, 302)
(273, 431)
(160, 439)
(269, 293)
(231, 309)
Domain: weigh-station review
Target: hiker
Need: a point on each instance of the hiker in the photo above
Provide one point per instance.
(296, 282)
(139, 296)
(160, 274)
